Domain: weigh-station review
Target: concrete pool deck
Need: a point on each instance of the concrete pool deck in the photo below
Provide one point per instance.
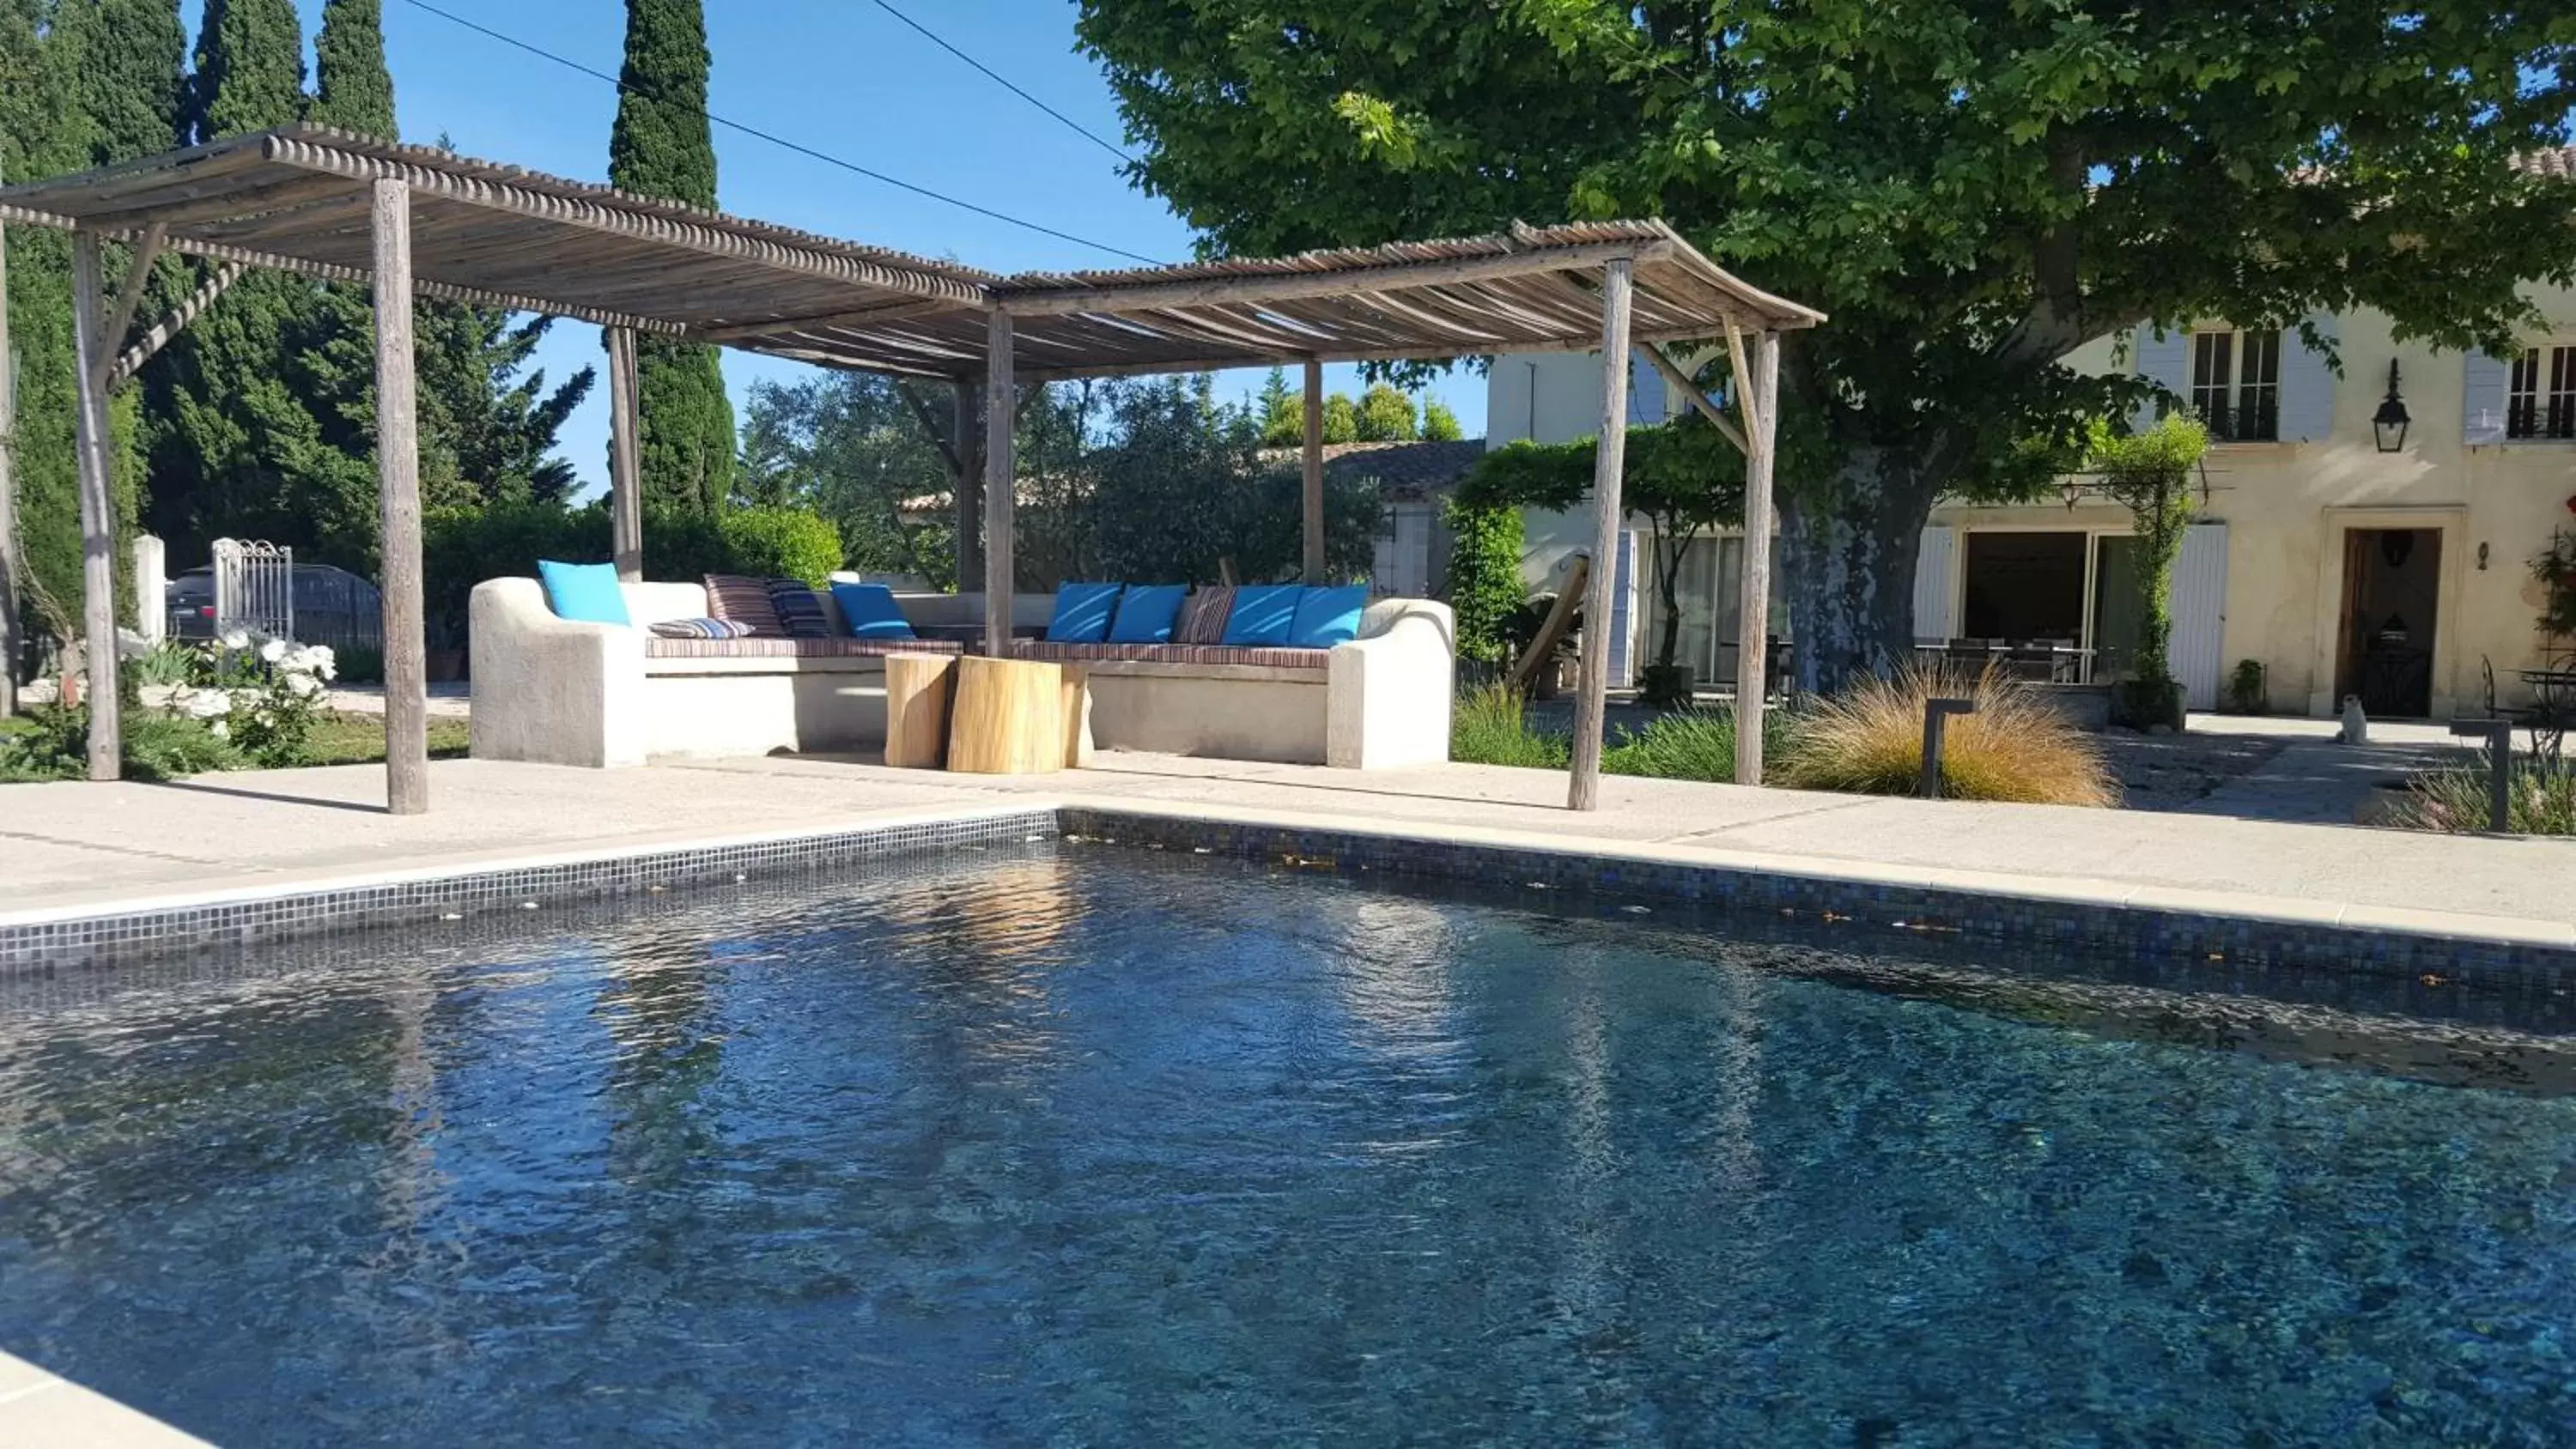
(75, 849)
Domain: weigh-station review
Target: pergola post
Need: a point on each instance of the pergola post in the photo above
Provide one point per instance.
(625, 457)
(1760, 396)
(398, 494)
(1609, 458)
(1314, 476)
(97, 513)
(969, 490)
(8, 499)
(998, 469)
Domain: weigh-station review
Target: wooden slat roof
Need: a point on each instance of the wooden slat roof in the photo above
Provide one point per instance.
(297, 198)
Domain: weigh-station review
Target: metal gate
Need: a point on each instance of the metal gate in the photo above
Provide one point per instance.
(254, 587)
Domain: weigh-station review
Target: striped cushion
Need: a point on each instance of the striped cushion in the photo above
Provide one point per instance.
(744, 600)
(1315, 659)
(659, 648)
(798, 609)
(699, 629)
(1202, 619)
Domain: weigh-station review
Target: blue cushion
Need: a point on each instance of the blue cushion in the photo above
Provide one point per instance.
(1326, 617)
(584, 593)
(1082, 613)
(870, 612)
(1263, 615)
(1146, 612)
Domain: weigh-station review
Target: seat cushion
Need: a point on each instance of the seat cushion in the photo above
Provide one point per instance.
(1202, 618)
(798, 609)
(583, 593)
(757, 648)
(871, 612)
(745, 600)
(1326, 617)
(1048, 649)
(698, 629)
(1147, 612)
(1082, 613)
(1263, 615)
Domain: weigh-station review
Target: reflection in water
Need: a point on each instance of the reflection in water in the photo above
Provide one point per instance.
(1095, 1147)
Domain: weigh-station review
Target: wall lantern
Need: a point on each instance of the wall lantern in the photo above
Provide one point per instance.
(2391, 420)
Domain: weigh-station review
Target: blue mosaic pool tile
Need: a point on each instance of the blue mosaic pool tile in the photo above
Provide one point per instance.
(127, 935)
(2259, 948)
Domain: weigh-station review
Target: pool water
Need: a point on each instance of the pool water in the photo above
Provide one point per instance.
(1076, 1145)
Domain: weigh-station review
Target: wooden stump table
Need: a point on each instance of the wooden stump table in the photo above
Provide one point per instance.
(1007, 717)
(917, 689)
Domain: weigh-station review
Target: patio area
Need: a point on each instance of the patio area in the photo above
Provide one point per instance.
(82, 847)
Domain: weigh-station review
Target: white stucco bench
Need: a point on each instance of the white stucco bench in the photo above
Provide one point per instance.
(560, 692)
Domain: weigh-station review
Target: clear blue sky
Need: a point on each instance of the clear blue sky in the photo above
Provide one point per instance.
(843, 77)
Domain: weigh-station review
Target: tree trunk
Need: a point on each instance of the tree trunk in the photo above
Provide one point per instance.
(1850, 561)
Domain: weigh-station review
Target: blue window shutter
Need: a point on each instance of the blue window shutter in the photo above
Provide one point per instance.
(1623, 610)
(2484, 379)
(2307, 386)
(1646, 402)
(2162, 357)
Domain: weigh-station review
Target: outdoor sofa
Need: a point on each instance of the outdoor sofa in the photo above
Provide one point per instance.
(562, 691)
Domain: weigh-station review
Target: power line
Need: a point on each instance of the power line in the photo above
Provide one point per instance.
(798, 147)
(996, 78)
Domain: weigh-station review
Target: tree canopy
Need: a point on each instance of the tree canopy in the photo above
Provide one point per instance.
(1971, 190)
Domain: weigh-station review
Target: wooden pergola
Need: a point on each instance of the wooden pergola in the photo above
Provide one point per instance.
(415, 220)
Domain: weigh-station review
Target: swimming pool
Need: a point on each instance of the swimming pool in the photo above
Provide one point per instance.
(1074, 1144)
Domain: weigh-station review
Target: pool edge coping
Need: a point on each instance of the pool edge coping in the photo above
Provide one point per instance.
(2074, 910)
(73, 1414)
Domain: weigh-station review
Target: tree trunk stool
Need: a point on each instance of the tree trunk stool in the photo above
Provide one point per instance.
(917, 689)
(1006, 717)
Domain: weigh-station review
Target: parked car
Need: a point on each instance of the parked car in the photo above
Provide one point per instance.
(332, 605)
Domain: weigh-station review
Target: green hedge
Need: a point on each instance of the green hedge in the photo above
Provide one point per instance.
(1484, 583)
(462, 547)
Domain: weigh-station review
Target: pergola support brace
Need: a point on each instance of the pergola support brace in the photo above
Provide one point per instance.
(138, 273)
(1680, 380)
(150, 343)
(1609, 460)
(398, 496)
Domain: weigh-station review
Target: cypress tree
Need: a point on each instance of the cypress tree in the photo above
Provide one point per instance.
(662, 145)
(261, 403)
(250, 68)
(130, 84)
(132, 75)
(41, 135)
(356, 92)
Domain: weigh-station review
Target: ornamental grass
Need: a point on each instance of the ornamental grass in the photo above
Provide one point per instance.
(2015, 747)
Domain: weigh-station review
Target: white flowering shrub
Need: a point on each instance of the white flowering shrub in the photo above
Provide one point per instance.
(270, 692)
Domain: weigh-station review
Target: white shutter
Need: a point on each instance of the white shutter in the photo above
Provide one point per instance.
(2484, 379)
(1933, 601)
(2200, 613)
(1623, 612)
(2307, 386)
(2163, 357)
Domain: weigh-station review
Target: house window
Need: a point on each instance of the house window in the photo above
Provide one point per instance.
(2540, 400)
(2236, 384)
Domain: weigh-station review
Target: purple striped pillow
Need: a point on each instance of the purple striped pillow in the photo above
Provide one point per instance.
(700, 629)
(744, 600)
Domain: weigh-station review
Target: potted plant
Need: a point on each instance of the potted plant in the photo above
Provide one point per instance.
(2149, 472)
(445, 654)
